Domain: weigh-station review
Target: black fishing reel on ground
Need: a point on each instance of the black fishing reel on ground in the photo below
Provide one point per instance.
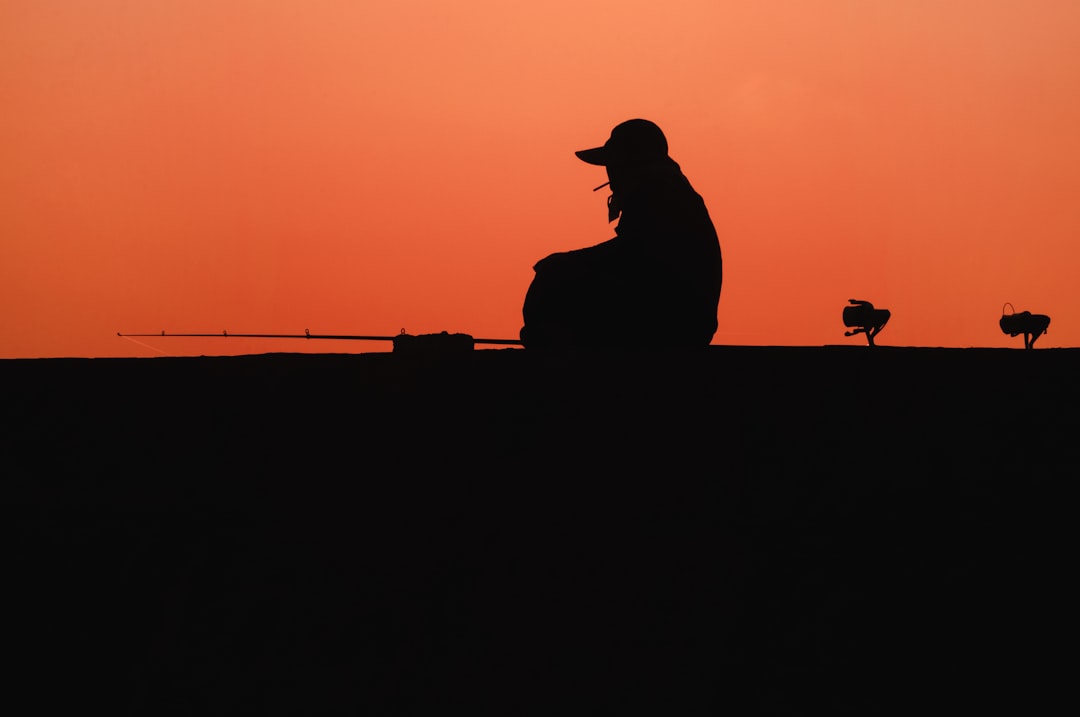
(1032, 326)
(865, 319)
(441, 344)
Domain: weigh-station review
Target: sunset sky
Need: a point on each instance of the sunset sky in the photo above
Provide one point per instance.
(367, 166)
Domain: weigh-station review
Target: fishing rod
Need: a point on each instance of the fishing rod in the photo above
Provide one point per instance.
(408, 343)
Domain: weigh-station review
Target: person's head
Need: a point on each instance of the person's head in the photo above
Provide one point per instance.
(636, 150)
(633, 143)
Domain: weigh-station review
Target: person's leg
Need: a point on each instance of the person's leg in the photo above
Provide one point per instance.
(554, 307)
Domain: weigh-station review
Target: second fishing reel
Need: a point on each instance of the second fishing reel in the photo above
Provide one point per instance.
(865, 319)
(1032, 326)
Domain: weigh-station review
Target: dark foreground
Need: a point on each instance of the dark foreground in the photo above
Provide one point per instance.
(741, 531)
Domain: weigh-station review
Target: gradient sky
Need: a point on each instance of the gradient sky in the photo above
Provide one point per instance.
(369, 166)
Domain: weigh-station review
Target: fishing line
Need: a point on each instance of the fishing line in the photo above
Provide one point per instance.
(140, 343)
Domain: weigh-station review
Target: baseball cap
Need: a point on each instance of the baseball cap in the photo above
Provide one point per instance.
(635, 141)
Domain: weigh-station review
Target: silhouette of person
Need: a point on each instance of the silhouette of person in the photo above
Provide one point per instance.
(656, 283)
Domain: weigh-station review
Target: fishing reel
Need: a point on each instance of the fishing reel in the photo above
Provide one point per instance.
(441, 344)
(865, 319)
(1032, 326)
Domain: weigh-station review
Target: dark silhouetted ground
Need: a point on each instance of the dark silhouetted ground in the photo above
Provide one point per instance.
(749, 530)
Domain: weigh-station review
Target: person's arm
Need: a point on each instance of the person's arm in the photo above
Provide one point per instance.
(589, 256)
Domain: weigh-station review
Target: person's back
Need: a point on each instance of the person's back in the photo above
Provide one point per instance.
(657, 283)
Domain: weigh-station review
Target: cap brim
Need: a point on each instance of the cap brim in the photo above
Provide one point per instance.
(596, 155)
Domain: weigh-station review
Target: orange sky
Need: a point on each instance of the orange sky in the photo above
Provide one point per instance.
(363, 167)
